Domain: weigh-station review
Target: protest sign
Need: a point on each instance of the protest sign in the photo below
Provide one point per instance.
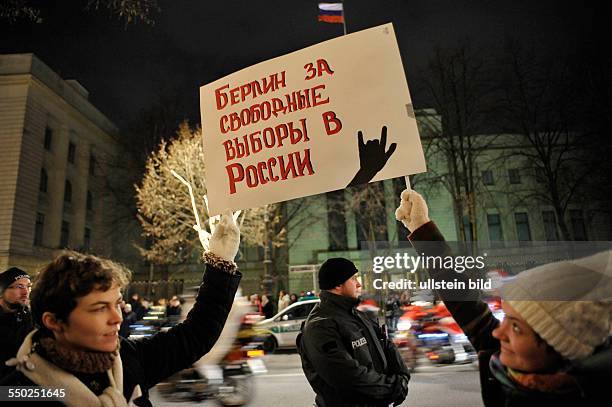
(312, 121)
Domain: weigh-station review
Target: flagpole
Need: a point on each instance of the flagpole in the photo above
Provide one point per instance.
(343, 18)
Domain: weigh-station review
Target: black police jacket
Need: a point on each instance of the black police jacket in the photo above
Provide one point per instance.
(14, 327)
(347, 360)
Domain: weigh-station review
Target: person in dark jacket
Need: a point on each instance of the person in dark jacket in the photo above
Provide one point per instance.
(174, 307)
(345, 356)
(15, 317)
(267, 306)
(553, 347)
(137, 307)
(129, 318)
(75, 303)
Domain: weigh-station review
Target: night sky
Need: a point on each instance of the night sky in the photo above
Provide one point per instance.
(194, 42)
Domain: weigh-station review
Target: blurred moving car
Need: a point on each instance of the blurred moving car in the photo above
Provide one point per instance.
(431, 330)
(282, 329)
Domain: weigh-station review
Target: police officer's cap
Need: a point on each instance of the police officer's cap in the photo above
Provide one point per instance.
(335, 271)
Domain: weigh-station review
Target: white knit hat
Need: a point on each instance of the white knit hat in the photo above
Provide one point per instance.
(568, 303)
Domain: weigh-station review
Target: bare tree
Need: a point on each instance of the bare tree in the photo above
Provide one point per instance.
(540, 103)
(165, 208)
(458, 82)
(166, 213)
(593, 70)
(128, 10)
(116, 174)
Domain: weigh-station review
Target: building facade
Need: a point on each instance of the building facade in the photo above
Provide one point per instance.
(56, 163)
(508, 214)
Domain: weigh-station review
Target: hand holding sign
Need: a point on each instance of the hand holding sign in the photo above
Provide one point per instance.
(224, 236)
(372, 157)
(412, 212)
(225, 239)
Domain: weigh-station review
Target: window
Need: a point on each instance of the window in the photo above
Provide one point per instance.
(44, 180)
(514, 176)
(298, 312)
(249, 252)
(48, 138)
(87, 239)
(495, 228)
(39, 229)
(92, 164)
(522, 226)
(550, 225)
(336, 222)
(67, 192)
(65, 234)
(71, 152)
(578, 226)
(467, 226)
(89, 204)
(487, 177)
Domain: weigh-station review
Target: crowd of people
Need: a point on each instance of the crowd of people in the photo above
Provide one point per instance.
(64, 328)
(268, 306)
(137, 307)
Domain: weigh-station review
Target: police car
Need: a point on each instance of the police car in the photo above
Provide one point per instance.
(284, 327)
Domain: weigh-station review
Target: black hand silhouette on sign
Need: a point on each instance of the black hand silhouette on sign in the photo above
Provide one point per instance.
(372, 157)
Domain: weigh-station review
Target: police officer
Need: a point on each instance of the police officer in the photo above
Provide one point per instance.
(15, 318)
(345, 355)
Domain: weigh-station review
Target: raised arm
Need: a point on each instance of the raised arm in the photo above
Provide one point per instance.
(169, 352)
(470, 312)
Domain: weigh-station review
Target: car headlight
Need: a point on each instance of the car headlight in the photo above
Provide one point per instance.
(404, 325)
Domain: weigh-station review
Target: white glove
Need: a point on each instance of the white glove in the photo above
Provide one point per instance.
(225, 238)
(412, 212)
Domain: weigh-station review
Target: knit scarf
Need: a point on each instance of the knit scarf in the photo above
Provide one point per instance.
(77, 360)
(558, 382)
(44, 373)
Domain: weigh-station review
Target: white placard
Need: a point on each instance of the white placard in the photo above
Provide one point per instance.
(288, 127)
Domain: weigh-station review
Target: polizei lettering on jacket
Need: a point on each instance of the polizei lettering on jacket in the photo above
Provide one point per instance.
(359, 343)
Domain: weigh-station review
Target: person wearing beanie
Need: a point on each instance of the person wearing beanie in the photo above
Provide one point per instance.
(345, 356)
(15, 318)
(76, 307)
(553, 347)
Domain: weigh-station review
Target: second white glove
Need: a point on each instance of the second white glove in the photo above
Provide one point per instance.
(225, 239)
(412, 212)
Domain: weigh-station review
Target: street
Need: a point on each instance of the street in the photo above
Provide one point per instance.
(285, 385)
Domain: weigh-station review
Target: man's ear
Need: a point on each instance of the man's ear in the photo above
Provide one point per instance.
(51, 322)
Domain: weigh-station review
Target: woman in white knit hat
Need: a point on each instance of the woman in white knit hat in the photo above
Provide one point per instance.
(553, 347)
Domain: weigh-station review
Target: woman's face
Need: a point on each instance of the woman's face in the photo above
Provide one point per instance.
(521, 349)
(94, 324)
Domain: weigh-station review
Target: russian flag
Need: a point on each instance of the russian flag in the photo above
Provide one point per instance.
(331, 13)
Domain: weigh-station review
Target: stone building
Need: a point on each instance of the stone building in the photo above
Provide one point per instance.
(56, 164)
(509, 217)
